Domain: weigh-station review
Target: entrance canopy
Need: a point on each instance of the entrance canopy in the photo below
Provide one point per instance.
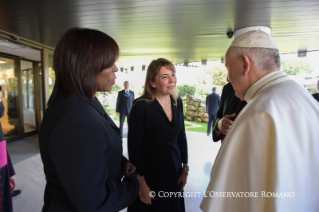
(179, 30)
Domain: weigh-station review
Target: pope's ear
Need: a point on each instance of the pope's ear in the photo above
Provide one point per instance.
(246, 64)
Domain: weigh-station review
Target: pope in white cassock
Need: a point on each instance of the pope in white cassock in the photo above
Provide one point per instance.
(269, 160)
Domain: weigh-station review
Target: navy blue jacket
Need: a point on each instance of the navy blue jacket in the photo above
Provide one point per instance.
(81, 150)
(124, 102)
(212, 103)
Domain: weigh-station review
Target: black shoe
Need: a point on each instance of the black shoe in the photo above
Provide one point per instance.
(15, 193)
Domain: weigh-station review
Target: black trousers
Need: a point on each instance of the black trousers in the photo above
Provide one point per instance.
(122, 118)
(211, 119)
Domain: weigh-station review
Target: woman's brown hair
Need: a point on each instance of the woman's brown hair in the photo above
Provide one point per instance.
(152, 70)
(80, 55)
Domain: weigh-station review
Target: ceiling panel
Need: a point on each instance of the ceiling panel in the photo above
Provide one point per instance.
(176, 29)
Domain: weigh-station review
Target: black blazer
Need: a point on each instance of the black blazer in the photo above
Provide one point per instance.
(228, 105)
(124, 103)
(153, 141)
(316, 96)
(81, 151)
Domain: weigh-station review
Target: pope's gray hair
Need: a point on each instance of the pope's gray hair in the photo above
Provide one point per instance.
(263, 58)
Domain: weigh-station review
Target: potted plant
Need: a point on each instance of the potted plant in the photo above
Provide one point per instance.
(143, 67)
(132, 68)
(121, 69)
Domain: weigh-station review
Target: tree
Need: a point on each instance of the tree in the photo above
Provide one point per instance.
(186, 90)
(219, 74)
(294, 67)
(115, 88)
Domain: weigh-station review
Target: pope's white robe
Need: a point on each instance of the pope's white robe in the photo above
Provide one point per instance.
(273, 146)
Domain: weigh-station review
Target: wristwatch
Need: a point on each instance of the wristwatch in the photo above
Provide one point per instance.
(186, 169)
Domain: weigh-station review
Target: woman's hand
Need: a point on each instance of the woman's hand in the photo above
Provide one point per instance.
(129, 169)
(182, 180)
(12, 183)
(145, 193)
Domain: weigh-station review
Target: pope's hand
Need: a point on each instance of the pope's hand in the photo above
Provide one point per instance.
(226, 123)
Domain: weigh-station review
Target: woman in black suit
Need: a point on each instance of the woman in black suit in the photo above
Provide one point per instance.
(157, 142)
(80, 146)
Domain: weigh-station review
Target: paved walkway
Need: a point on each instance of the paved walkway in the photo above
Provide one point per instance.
(31, 180)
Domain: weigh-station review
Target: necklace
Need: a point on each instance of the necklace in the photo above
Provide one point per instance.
(169, 104)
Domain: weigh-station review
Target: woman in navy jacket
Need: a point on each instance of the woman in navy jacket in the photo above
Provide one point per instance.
(80, 145)
(157, 143)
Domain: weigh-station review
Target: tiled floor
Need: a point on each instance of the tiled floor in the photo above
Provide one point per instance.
(30, 177)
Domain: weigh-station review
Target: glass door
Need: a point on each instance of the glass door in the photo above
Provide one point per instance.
(28, 96)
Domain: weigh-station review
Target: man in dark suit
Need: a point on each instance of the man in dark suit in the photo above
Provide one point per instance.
(316, 95)
(212, 104)
(229, 107)
(124, 104)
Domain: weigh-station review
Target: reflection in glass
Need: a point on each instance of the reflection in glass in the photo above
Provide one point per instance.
(28, 93)
(9, 96)
(41, 91)
(51, 74)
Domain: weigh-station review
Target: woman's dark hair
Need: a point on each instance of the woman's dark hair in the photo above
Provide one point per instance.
(80, 55)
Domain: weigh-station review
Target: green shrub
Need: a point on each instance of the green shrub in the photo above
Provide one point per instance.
(186, 90)
(115, 88)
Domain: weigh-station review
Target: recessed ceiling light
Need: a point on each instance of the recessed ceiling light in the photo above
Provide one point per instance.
(1, 61)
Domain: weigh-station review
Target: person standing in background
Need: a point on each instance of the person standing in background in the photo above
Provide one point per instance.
(124, 103)
(212, 105)
(7, 181)
(12, 109)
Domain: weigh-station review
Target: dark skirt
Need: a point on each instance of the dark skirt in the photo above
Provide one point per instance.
(5, 192)
(161, 185)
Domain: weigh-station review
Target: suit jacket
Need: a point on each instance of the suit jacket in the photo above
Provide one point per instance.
(124, 102)
(212, 103)
(316, 96)
(81, 151)
(153, 141)
(228, 104)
